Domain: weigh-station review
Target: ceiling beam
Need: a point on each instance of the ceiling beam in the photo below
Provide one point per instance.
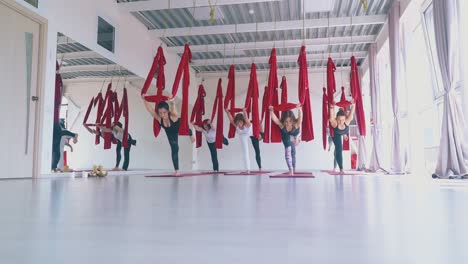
(78, 55)
(65, 40)
(147, 5)
(278, 44)
(99, 79)
(271, 26)
(287, 58)
(224, 74)
(94, 68)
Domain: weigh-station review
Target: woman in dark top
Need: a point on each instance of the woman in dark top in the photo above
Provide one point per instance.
(170, 122)
(290, 129)
(58, 133)
(340, 125)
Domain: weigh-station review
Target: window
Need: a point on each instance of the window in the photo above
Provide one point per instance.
(34, 3)
(436, 76)
(106, 35)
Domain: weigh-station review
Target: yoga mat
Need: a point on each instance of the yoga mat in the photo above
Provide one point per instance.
(296, 175)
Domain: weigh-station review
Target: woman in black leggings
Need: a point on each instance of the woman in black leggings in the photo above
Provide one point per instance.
(340, 126)
(210, 135)
(58, 133)
(170, 122)
(118, 133)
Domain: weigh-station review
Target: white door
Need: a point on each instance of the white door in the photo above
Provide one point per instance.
(19, 47)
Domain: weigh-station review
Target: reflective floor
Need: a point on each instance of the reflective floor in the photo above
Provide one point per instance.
(233, 219)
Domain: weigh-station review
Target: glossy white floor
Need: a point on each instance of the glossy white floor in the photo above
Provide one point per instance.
(233, 219)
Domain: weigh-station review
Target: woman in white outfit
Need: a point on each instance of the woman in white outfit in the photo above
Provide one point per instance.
(244, 130)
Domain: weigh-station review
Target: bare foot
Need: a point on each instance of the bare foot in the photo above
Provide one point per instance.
(341, 172)
(291, 173)
(177, 173)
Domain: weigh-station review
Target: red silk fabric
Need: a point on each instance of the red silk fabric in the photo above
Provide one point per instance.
(325, 118)
(157, 68)
(185, 70)
(58, 93)
(230, 99)
(284, 90)
(331, 83)
(218, 110)
(357, 95)
(346, 146)
(197, 113)
(272, 131)
(251, 101)
(108, 108)
(343, 103)
(122, 110)
(304, 97)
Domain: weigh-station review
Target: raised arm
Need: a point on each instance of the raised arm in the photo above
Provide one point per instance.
(104, 129)
(299, 116)
(174, 113)
(229, 115)
(274, 118)
(151, 110)
(197, 128)
(92, 131)
(332, 116)
(246, 118)
(350, 115)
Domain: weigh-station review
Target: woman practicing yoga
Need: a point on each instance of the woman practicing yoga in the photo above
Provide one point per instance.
(290, 129)
(169, 120)
(58, 133)
(340, 126)
(244, 130)
(210, 135)
(118, 133)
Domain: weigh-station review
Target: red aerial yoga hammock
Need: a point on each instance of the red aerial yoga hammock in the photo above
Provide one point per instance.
(284, 90)
(343, 103)
(251, 101)
(58, 93)
(331, 83)
(304, 97)
(107, 108)
(325, 118)
(122, 110)
(272, 131)
(182, 69)
(357, 95)
(284, 106)
(218, 109)
(197, 113)
(230, 99)
(158, 65)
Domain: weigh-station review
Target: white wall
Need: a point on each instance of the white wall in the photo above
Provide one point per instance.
(310, 155)
(149, 153)
(135, 47)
